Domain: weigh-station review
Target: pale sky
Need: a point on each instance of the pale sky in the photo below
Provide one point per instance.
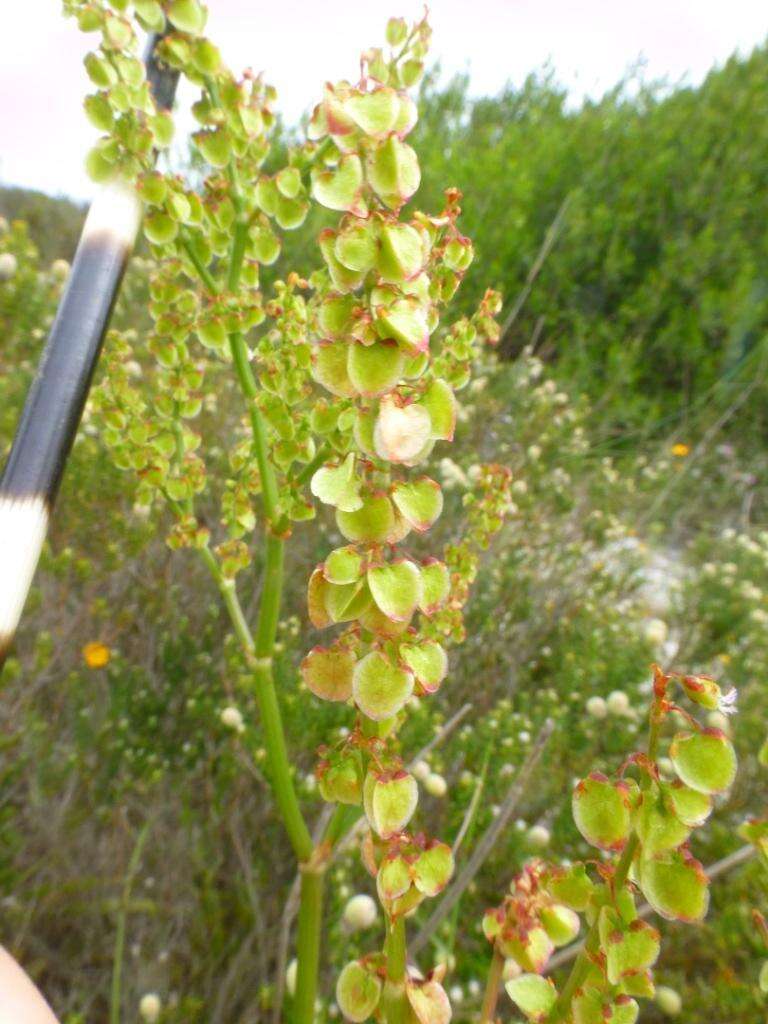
(299, 44)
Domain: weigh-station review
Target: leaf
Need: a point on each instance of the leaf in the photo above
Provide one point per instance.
(396, 588)
(375, 369)
(601, 812)
(373, 522)
(675, 885)
(393, 172)
(428, 662)
(393, 802)
(327, 672)
(338, 485)
(358, 991)
(420, 501)
(341, 188)
(379, 687)
(344, 565)
(705, 761)
(533, 995)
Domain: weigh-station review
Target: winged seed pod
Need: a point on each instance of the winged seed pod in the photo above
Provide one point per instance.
(646, 823)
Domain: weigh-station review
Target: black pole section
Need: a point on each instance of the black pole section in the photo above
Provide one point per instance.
(55, 402)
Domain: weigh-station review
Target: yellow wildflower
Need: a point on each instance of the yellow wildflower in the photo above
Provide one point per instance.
(96, 654)
(680, 450)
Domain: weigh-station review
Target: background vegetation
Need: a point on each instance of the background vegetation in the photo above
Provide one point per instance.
(629, 239)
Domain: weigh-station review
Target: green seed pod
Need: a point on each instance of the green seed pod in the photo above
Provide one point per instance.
(436, 586)
(338, 485)
(341, 188)
(187, 16)
(375, 369)
(358, 992)
(628, 948)
(533, 995)
(327, 672)
(428, 1001)
(428, 662)
(675, 885)
(601, 811)
(393, 801)
(705, 761)
(374, 522)
(396, 588)
(433, 868)
(420, 502)
(379, 687)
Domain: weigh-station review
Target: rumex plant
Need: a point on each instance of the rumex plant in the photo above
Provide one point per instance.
(642, 823)
(336, 384)
(344, 392)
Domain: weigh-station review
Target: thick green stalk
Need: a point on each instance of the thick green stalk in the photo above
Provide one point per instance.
(395, 1000)
(308, 943)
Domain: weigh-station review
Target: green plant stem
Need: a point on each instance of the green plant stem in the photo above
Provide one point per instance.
(203, 272)
(115, 996)
(395, 1000)
(308, 943)
(323, 454)
(259, 651)
(491, 996)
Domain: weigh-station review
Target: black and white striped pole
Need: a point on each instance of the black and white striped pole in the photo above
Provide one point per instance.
(55, 402)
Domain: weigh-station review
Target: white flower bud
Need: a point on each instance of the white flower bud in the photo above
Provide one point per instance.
(8, 266)
(456, 994)
(656, 632)
(360, 912)
(596, 707)
(232, 718)
(668, 1001)
(618, 702)
(60, 269)
(420, 771)
(150, 1007)
(538, 836)
(435, 785)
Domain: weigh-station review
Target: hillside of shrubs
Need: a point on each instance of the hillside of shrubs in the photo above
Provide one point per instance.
(627, 395)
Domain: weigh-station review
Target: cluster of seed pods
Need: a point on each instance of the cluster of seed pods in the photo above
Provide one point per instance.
(642, 822)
